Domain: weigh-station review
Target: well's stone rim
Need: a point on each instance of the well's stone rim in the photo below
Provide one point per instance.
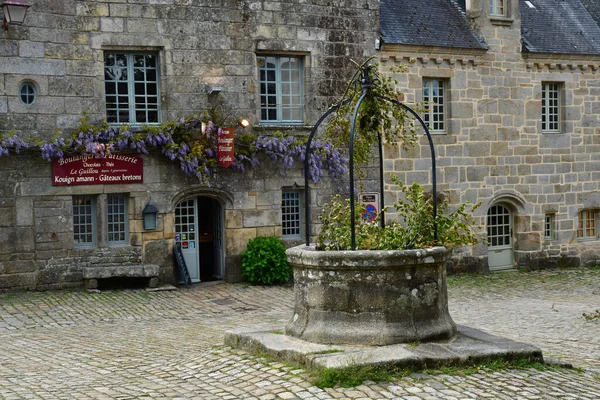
(309, 256)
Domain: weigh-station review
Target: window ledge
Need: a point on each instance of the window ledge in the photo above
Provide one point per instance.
(275, 127)
(502, 21)
(585, 240)
(133, 127)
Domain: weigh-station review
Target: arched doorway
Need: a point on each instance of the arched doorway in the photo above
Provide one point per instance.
(500, 240)
(199, 231)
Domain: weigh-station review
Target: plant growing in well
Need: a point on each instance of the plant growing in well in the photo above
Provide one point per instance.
(264, 261)
(414, 229)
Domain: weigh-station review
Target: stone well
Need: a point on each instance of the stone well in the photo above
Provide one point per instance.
(371, 297)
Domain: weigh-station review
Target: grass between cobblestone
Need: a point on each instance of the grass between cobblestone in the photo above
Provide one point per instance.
(356, 375)
(592, 316)
(353, 376)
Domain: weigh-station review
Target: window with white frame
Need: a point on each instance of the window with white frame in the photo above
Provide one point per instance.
(549, 226)
(434, 97)
(498, 8)
(281, 92)
(116, 219)
(84, 221)
(131, 83)
(586, 228)
(291, 214)
(551, 107)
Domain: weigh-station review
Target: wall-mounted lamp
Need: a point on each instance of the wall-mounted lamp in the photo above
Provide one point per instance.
(150, 216)
(14, 12)
(244, 122)
(215, 90)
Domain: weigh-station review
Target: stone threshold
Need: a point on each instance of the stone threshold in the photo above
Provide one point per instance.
(468, 347)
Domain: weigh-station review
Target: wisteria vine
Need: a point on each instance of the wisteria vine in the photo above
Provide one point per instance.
(190, 143)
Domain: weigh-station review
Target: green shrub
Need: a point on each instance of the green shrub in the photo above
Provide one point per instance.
(264, 261)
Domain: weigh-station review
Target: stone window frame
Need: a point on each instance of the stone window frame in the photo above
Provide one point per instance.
(279, 120)
(130, 54)
(293, 218)
(549, 226)
(587, 225)
(428, 115)
(99, 221)
(505, 17)
(560, 98)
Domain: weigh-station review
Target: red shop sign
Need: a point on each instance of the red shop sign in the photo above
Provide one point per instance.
(225, 146)
(93, 170)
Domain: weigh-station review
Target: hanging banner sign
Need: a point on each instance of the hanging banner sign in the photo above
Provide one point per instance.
(92, 170)
(225, 146)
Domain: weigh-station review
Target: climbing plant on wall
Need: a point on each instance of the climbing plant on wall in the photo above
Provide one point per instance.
(190, 141)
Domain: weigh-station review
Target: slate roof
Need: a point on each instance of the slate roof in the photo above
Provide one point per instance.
(550, 26)
(560, 26)
(427, 23)
(593, 7)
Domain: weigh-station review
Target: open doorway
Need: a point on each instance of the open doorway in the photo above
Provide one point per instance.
(199, 231)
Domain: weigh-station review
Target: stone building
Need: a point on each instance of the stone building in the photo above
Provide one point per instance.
(148, 61)
(512, 90)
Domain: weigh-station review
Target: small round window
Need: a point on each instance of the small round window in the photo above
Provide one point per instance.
(27, 93)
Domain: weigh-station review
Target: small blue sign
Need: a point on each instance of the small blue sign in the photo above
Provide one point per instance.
(178, 237)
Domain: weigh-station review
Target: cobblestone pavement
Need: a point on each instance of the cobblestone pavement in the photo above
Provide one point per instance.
(132, 344)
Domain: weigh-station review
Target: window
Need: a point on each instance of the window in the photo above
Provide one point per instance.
(27, 93)
(131, 85)
(291, 214)
(434, 95)
(114, 214)
(549, 227)
(281, 97)
(587, 225)
(116, 219)
(84, 221)
(498, 8)
(550, 107)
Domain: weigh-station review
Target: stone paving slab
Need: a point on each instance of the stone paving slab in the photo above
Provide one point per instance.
(133, 344)
(469, 346)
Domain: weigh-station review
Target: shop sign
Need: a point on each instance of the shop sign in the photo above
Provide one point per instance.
(225, 146)
(95, 170)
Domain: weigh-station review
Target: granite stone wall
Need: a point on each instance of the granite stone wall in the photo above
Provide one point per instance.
(200, 44)
(36, 219)
(494, 151)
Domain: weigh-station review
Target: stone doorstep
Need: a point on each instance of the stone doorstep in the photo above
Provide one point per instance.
(469, 346)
